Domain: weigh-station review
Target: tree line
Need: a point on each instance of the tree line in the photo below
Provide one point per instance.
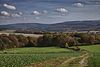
(16, 41)
(48, 40)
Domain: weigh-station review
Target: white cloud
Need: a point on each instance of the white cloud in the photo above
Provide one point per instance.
(35, 12)
(20, 13)
(9, 6)
(5, 13)
(62, 10)
(17, 14)
(78, 4)
(45, 11)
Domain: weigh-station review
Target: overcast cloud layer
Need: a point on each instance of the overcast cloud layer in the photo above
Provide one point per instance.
(48, 11)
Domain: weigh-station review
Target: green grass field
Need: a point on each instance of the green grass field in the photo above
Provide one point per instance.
(20, 57)
(35, 50)
(95, 51)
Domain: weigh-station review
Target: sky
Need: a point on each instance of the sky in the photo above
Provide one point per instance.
(48, 11)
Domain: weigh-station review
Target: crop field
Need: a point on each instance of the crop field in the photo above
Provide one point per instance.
(48, 56)
(95, 51)
(21, 57)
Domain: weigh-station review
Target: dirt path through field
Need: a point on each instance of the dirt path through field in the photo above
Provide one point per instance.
(79, 61)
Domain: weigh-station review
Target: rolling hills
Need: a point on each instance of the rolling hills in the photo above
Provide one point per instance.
(57, 27)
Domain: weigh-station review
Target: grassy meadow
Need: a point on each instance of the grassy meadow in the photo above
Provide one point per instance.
(95, 51)
(20, 57)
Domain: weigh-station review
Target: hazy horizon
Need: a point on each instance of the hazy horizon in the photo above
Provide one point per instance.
(48, 11)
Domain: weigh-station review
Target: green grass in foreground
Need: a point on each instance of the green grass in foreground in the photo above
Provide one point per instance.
(35, 50)
(20, 57)
(95, 51)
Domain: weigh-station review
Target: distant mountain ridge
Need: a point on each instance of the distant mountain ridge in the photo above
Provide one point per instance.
(57, 27)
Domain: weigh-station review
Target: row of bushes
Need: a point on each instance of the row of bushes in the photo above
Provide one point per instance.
(60, 40)
(13, 41)
(70, 39)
